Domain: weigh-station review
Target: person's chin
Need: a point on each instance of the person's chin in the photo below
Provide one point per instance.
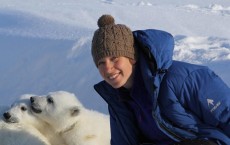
(116, 85)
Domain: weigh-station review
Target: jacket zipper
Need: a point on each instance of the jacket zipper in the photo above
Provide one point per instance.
(171, 133)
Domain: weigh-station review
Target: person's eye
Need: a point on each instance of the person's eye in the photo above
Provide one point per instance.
(114, 59)
(100, 63)
(23, 108)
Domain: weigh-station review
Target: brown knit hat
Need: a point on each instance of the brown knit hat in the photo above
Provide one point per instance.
(112, 40)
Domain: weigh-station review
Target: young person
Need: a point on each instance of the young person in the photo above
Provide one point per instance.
(153, 99)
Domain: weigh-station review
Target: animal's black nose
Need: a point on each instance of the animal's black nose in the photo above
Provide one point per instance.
(6, 115)
(31, 99)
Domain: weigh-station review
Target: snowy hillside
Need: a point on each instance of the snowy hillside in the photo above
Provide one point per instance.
(45, 44)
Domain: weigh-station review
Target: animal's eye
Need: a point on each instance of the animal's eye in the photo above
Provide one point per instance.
(50, 100)
(23, 108)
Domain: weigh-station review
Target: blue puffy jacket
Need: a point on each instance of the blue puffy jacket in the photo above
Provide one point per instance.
(189, 101)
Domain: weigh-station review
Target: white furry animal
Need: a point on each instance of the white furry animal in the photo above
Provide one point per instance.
(76, 124)
(20, 112)
(17, 134)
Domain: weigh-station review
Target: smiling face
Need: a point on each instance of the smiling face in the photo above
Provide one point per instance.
(117, 71)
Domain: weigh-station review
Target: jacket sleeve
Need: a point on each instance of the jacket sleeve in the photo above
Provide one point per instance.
(209, 99)
(199, 101)
(214, 100)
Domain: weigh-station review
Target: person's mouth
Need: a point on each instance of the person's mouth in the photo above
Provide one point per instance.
(114, 76)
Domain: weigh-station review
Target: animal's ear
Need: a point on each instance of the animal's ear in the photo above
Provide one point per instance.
(74, 111)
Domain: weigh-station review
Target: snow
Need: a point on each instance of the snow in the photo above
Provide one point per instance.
(45, 45)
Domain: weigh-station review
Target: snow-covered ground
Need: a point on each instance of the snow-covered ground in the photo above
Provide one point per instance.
(45, 45)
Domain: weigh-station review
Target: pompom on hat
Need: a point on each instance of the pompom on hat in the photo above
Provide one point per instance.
(112, 40)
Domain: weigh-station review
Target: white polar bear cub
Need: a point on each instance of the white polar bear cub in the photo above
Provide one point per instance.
(18, 134)
(20, 113)
(76, 124)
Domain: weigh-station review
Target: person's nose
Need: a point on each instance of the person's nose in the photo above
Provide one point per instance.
(108, 66)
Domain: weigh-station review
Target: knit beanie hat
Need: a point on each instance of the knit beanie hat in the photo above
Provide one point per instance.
(112, 40)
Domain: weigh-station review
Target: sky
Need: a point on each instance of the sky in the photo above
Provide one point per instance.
(45, 45)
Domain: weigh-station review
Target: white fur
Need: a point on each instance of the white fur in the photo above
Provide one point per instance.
(17, 134)
(20, 113)
(76, 124)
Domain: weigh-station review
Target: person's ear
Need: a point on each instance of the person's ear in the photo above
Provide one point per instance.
(132, 61)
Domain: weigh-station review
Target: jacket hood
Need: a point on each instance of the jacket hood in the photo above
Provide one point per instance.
(160, 44)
